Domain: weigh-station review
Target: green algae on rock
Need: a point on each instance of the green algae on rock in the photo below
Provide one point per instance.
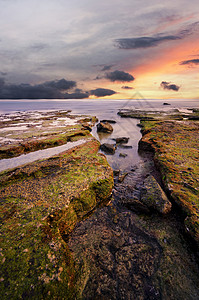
(40, 205)
(47, 130)
(152, 115)
(176, 153)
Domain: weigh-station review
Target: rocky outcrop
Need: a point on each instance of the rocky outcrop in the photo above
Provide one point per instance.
(154, 197)
(121, 256)
(55, 128)
(40, 205)
(121, 140)
(175, 145)
(104, 127)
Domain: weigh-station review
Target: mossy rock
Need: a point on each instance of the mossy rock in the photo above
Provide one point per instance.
(52, 131)
(40, 206)
(154, 197)
(175, 145)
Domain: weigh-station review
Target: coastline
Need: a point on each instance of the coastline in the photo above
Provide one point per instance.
(126, 248)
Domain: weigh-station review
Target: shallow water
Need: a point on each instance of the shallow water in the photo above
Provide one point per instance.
(14, 162)
(102, 109)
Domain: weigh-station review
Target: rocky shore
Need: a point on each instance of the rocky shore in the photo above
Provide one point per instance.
(41, 202)
(69, 232)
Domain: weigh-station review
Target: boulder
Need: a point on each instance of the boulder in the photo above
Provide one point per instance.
(108, 148)
(41, 203)
(121, 140)
(153, 196)
(104, 127)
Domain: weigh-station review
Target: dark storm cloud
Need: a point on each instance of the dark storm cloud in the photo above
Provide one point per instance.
(127, 87)
(27, 91)
(102, 92)
(168, 86)
(153, 41)
(61, 84)
(78, 94)
(190, 62)
(47, 90)
(144, 42)
(119, 76)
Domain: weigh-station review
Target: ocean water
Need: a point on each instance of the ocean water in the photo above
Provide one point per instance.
(96, 106)
(104, 109)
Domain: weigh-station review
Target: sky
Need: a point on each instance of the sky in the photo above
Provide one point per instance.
(110, 49)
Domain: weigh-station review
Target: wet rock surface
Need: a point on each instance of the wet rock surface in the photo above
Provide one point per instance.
(137, 247)
(24, 132)
(108, 148)
(175, 147)
(126, 251)
(122, 257)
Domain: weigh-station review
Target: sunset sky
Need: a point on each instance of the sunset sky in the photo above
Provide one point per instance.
(93, 49)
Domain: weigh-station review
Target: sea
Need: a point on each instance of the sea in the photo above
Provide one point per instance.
(105, 109)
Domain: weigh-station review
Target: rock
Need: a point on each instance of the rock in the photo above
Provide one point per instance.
(121, 140)
(165, 103)
(87, 127)
(33, 139)
(109, 121)
(39, 209)
(104, 127)
(108, 148)
(145, 145)
(194, 116)
(122, 154)
(135, 205)
(154, 197)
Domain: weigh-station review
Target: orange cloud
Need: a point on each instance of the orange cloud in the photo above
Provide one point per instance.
(168, 59)
(166, 66)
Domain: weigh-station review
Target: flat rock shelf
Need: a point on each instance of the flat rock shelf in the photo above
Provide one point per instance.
(75, 228)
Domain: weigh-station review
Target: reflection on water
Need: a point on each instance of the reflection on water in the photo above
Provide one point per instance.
(124, 127)
(103, 136)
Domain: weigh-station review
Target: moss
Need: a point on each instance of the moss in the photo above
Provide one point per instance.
(40, 205)
(51, 132)
(175, 144)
